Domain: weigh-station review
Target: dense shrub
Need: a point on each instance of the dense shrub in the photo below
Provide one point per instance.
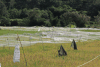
(24, 22)
(44, 14)
(79, 19)
(16, 22)
(5, 21)
(58, 24)
(97, 18)
(24, 13)
(47, 23)
(14, 13)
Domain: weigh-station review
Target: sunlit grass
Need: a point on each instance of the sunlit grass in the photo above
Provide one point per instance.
(37, 56)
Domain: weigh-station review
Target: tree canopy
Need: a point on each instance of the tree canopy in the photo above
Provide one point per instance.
(50, 12)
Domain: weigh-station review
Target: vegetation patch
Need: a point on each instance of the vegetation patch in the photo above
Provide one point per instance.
(90, 30)
(4, 32)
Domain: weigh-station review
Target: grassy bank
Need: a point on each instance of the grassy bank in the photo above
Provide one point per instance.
(46, 55)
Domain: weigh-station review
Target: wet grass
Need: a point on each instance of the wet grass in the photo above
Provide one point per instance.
(46, 55)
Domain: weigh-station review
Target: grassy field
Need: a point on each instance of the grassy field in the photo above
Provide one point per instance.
(46, 55)
(91, 30)
(3, 32)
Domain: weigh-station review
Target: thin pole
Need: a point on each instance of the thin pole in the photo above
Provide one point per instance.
(22, 48)
(8, 41)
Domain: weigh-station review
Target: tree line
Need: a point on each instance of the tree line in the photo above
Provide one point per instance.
(81, 13)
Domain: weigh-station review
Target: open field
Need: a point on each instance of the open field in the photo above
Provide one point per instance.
(46, 55)
(41, 47)
(46, 35)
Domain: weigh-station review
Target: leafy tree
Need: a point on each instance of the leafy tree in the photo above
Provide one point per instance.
(97, 18)
(3, 10)
(21, 4)
(93, 10)
(35, 17)
(51, 17)
(5, 21)
(24, 13)
(25, 22)
(55, 21)
(79, 19)
(44, 14)
(62, 21)
(47, 23)
(58, 12)
(12, 3)
(58, 24)
(44, 4)
(14, 13)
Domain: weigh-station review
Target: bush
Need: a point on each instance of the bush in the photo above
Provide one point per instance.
(47, 23)
(79, 19)
(55, 21)
(14, 13)
(15, 22)
(24, 22)
(58, 24)
(40, 21)
(24, 13)
(5, 21)
(35, 17)
(44, 14)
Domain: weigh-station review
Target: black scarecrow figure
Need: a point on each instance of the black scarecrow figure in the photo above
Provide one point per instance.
(73, 45)
(62, 52)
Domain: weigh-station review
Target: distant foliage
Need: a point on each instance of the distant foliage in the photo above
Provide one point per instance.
(3, 10)
(14, 13)
(47, 23)
(97, 18)
(14, 22)
(81, 13)
(24, 13)
(5, 21)
(79, 19)
(24, 22)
